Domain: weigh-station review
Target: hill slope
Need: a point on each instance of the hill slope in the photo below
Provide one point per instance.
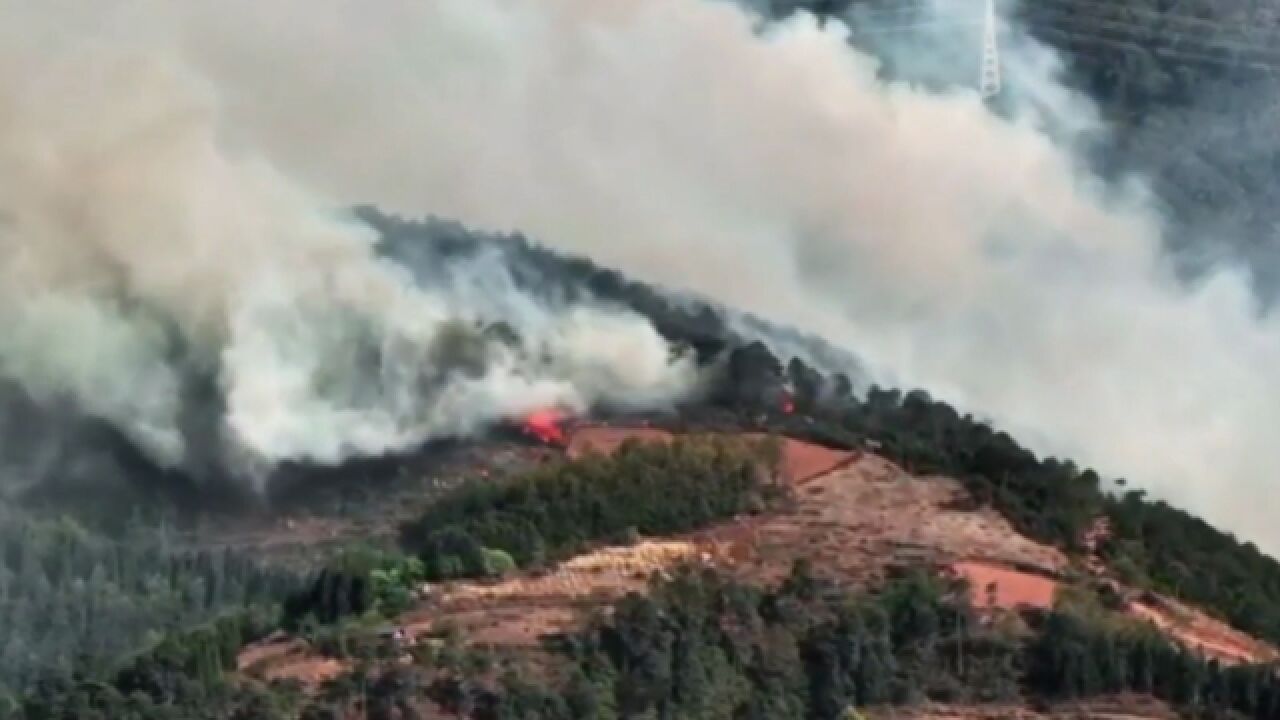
(869, 492)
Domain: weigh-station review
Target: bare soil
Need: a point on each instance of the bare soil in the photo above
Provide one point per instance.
(993, 586)
(853, 515)
(1198, 631)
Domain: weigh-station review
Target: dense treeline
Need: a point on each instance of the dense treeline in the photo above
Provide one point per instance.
(1070, 658)
(1048, 499)
(488, 528)
(1159, 546)
(361, 581)
(703, 647)
(916, 639)
(700, 646)
(839, 659)
(563, 507)
(75, 602)
(1151, 544)
(183, 677)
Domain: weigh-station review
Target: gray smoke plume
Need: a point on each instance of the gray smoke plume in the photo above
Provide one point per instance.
(773, 167)
(1221, 185)
(139, 254)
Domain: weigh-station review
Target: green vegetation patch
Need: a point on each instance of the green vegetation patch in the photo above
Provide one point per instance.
(557, 510)
(75, 602)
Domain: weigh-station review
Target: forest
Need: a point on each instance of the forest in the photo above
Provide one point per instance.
(557, 511)
(491, 528)
(154, 638)
(701, 646)
(1151, 544)
(74, 602)
(129, 624)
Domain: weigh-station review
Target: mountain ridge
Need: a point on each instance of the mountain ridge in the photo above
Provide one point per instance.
(959, 474)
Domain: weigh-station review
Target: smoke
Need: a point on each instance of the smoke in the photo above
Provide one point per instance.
(952, 246)
(1221, 185)
(140, 257)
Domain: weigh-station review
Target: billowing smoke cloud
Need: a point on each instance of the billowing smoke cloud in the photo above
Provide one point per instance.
(138, 256)
(1221, 185)
(961, 249)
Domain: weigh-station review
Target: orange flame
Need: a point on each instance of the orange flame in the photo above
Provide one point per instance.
(788, 403)
(546, 426)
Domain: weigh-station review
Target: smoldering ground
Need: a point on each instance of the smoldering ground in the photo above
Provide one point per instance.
(773, 168)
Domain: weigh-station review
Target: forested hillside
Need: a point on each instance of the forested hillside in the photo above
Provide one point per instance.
(106, 617)
(701, 646)
(78, 605)
(1189, 92)
(75, 602)
(558, 511)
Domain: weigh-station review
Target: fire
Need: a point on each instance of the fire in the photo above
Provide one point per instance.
(788, 404)
(546, 426)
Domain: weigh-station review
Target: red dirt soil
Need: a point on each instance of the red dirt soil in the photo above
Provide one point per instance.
(280, 657)
(992, 586)
(801, 461)
(1197, 631)
(867, 514)
(852, 515)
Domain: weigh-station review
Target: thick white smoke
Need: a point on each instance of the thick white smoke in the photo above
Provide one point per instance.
(136, 251)
(960, 250)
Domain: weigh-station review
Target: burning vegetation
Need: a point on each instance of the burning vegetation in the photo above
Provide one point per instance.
(547, 426)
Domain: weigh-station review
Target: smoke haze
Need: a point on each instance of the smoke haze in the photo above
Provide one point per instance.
(140, 255)
(952, 247)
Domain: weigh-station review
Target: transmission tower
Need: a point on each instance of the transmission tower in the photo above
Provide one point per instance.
(989, 86)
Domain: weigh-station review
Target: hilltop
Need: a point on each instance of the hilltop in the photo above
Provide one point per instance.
(266, 457)
(562, 571)
(526, 566)
(852, 517)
